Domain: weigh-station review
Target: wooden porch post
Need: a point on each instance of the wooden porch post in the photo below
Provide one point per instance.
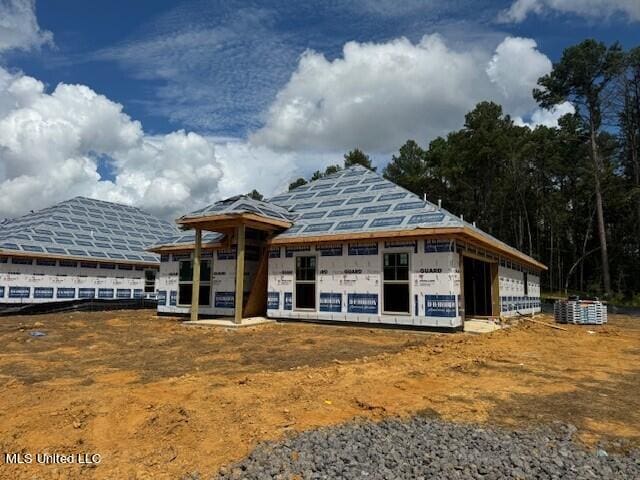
(195, 287)
(239, 274)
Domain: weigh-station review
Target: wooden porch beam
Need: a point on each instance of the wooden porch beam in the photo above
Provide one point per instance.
(185, 247)
(258, 221)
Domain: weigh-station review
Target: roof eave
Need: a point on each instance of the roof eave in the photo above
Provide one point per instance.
(20, 253)
(462, 232)
(417, 232)
(503, 248)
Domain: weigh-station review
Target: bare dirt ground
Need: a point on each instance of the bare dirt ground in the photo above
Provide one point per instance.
(159, 400)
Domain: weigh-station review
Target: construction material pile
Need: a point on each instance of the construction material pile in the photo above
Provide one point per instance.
(425, 448)
(580, 312)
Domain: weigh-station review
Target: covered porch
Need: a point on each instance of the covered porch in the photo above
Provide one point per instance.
(246, 225)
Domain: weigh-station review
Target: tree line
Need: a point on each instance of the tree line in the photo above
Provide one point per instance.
(353, 157)
(569, 195)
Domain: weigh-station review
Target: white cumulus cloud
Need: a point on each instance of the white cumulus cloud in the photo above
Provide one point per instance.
(547, 118)
(377, 95)
(515, 69)
(51, 145)
(597, 9)
(247, 166)
(19, 27)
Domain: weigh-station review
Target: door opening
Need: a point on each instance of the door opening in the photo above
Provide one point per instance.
(477, 288)
(256, 264)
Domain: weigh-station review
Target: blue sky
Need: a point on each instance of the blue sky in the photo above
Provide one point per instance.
(171, 105)
(95, 45)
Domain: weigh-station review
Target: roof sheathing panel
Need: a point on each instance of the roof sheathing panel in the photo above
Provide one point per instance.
(241, 204)
(86, 228)
(358, 200)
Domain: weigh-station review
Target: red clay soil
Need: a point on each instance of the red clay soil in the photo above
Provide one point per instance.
(157, 399)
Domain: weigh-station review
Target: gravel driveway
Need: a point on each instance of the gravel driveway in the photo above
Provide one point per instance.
(422, 448)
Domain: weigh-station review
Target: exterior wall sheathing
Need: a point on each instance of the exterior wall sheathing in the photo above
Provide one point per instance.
(350, 283)
(25, 281)
(513, 299)
(223, 281)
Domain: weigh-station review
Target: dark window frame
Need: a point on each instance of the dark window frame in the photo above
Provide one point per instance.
(186, 282)
(306, 277)
(396, 274)
(149, 281)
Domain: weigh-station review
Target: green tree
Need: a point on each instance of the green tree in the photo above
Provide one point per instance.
(331, 169)
(255, 194)
(479, 163)
(630, 126)
(408, 168)
(297, 183)
(584, 76)
(358, 157)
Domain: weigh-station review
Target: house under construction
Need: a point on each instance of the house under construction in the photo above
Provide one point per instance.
(351, 247)
(77, 250)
